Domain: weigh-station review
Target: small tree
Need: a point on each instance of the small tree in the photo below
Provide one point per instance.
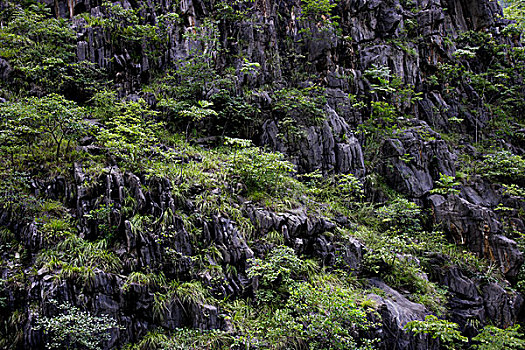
(35, 119)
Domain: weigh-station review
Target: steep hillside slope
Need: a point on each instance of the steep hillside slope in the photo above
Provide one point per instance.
(261, 174)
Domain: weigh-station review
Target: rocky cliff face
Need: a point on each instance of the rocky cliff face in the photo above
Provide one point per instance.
(368, 58)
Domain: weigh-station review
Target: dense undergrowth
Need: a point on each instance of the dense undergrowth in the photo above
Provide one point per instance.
(59, 115)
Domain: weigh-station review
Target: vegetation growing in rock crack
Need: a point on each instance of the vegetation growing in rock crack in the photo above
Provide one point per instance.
(245, 174)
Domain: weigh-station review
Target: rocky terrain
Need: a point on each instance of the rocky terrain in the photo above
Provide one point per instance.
(261, 174)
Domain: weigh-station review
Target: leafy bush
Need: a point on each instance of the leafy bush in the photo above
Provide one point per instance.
(299, 307)
(260, 170)
(76, 329)
(505, 167)
(127, 29)
(306, 103)
(320, 11)
(128, 131)
(281, 264)
(183, 339)
(400, 214)
(446, 332)
(41, 50)
(446, 185)
(493, 338)
(329, 315)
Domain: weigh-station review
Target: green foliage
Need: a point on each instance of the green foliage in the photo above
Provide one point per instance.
(3, 300)
(181, 293)
(183, 339)
(151, 280)
(494, 70)
(102, 216)
(446, 185)
(401, 214)
(14, 192)
(349, 187)
(53, 222)
(77, 259)
(281, 264)
(493, 338)
(515, 10)
(298, 308)
(196, 74)
(327, 315)
(196, 94)
(305, 103)
(236, 10)
(385, 84)
(76, 329)
(35, 121)
(343, 190)
(446, 332)
(320, 11)
(129, 31)
(129, 131)
(505, 167)
(41, 50)
(260, 170)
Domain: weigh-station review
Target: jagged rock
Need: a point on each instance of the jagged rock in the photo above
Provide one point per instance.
(306, 235)
(352, 253)
(411, 160)
(229, 241)
(502, 307)
(478, 228)
(481, 192)
(205, 317)
(464, 301)
(330, 147)
(414, 158)
(396, 311)
(5, 70)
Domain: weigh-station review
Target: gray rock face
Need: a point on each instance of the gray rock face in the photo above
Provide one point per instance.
(5, 69)
(502, 307)
(471, 299)
(477, 228)
(308, 235)
(396, 311)
(414, 158)
(330, 147)
(465, 302)
(229, 241)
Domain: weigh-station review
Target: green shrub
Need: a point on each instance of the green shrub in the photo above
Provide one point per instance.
(281, 264)
(259, 170)
(307, 102)
(446, 332)
(400, 214)
(446, 185)
(76, 329)
(329, 315)
(41, 50)
(493, 338)
(319, 10)
(35, 120)
(183, 339)
(505, 167)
